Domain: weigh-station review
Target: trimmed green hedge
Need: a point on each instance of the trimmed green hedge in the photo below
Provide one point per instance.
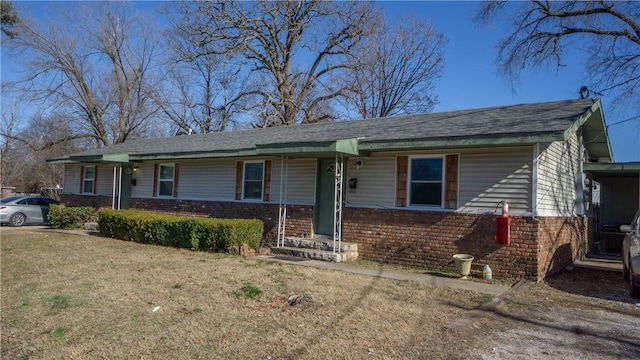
(69, 217)
(192, 233)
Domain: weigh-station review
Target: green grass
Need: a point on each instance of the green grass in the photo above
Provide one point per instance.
(58, 303)
(248, 292)
(57, 332)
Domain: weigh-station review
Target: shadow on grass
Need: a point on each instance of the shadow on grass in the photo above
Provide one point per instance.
(601, 284)
(347, 309)
(442, 274)
(629, 345)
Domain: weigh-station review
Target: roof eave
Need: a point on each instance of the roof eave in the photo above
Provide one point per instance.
(594, 132)
(348, 147)
(120, 158)
(459, 142)
(600, 170)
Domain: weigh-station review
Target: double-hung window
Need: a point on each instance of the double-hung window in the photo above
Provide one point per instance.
(253, 180)
(88, 179)
(165, 179)
(426, 179)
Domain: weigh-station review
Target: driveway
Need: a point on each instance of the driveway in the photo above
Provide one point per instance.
(578, 314)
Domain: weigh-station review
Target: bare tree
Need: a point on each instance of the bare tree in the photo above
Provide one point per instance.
(9, 121)
(96, 67)
(292, 48)
(396, 69)
(201, 93)
(608, 32)
(25, 151)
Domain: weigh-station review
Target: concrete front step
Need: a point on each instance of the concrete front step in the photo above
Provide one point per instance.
(325, 244)
(91, 226)
(316, 254)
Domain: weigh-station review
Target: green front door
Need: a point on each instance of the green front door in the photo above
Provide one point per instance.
(125, 186)
(325, 197)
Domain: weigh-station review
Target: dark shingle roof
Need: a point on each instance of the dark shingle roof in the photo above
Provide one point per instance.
(549, 118)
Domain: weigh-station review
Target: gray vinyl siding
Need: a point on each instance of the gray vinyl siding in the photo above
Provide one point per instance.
(488, 177)
(301, 181)
(376, 182)
(207, 180)
(558, 168)
(105, 180)
(71, 179)
(144, 181)
(215, 179)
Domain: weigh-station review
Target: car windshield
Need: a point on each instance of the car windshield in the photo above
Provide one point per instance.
(9, 199)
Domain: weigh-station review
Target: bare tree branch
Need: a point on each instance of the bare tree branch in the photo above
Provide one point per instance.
(276, 39)
(97, 68)
(608, 32)
(395, 71)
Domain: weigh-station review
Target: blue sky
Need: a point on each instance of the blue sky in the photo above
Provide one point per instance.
(471, 79)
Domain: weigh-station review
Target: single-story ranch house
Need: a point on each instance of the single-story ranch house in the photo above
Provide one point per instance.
(411, 189)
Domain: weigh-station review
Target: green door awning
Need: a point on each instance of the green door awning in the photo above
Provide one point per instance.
(101, 159)
(348, 147)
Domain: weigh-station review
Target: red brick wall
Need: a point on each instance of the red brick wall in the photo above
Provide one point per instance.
(430, 239)
(539, 246)
(99, 202)
(562, 240)
(299, 217)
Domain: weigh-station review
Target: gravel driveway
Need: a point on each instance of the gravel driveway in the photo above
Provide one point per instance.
(578, 314)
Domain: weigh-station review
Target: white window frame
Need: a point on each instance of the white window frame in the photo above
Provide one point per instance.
(85, 179)
(172, 180)
(442, 181)
(244, 180)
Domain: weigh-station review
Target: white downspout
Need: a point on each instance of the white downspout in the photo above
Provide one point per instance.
(534, 180)
(580, 210)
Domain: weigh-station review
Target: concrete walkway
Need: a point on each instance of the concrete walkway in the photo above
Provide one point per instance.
(481, 287)
(599, 264)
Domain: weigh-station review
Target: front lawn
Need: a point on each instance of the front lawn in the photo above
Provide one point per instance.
(86, 297)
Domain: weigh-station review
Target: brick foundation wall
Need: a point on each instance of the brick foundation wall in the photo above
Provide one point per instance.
(430, 239)
(299, 217)
(562, 240)
(539, 246)
(98, 202)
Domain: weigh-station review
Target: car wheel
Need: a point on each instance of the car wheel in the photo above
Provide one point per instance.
(17, 219)
(625, 271)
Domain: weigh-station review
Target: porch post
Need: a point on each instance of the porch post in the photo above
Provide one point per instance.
(113, 192)
(120, 187)
(337, 214)
(282, 206)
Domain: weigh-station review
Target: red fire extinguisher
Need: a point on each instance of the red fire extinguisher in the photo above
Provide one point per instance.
(503, 225)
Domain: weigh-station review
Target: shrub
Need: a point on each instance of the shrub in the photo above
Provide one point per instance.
(198, 234)
(69, 217)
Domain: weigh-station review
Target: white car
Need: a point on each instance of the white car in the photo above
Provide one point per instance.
(23, 210)
(631, 255)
